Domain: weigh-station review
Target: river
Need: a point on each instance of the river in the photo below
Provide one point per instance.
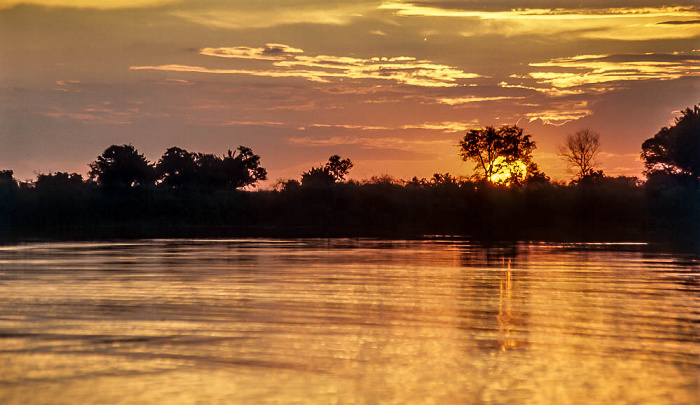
(344, 321)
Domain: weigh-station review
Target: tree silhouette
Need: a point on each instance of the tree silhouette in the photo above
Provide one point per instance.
(675, 150)
(180, 168)
(7, 180)
(121, 166)
(334, 170)
(498, 153)
(579, 150)
(59, 181)
(338, 168)
(242, 168)
(177, 167)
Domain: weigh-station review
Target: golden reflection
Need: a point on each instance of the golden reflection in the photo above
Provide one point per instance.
(345, 321)
(508, 318)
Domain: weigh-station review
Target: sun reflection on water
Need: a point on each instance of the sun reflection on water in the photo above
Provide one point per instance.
(347, 321)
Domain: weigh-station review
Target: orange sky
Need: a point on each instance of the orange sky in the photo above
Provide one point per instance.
(390, 84)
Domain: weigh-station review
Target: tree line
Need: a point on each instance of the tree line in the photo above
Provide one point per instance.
(185, 193)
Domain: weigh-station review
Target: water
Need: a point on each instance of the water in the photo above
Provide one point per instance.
(348, 322)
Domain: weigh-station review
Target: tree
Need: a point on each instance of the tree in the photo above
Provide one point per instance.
(122, 166)
(239, 168)
(242, 168)
(59, 181)
(334, 170)
(338, 168)
(502, 155)
(675, 150)
(579, 151)
(177, 167)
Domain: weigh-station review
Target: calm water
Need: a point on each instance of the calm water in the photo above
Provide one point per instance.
(347, 321)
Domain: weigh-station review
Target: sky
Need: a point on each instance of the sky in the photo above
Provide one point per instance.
(392, 85)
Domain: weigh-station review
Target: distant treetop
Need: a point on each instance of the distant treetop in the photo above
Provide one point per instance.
(675, 150)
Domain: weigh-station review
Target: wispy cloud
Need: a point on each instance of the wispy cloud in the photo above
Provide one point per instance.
(421, 10)
(249, 14)
(102, 5)
(473, 99)
(268, 52)
(345, 126)
(621, 23)
(103, 114)
(367, 142)
(449, 127)
(288, 61)
(562, 113)
(596, 69)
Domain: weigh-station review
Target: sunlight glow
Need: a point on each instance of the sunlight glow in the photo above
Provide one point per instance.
(506, 173)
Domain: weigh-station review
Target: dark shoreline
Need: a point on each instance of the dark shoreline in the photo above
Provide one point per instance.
(613, 210)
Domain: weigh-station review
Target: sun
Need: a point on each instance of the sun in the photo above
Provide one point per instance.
(508, 171)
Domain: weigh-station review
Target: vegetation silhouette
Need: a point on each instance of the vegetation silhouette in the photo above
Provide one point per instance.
(194, 194)
(502, 155)
(121, 166)
(672, 166)
(675, 150)
(579, 151)
(333, 171)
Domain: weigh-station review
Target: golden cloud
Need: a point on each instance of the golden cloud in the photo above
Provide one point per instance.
(473, 99)
(290, 62)
(246, 15)
(596, 69)
(414, 145)
(620, 23)
(269, 52)
(562, 114)
(102, 4)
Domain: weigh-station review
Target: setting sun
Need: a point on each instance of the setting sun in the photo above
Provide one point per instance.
(509, 172)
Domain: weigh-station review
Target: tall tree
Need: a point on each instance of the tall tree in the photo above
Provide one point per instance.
(242, 168)
(579, 151)
(675, 150)
(500, 154)
(177, 167)
(334, 170)
(239, 168)
(122, 166)
(338, 168)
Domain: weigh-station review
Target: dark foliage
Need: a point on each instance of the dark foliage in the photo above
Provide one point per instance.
(334, 170)
(178, 168)
(496, 152)
(121, 166)
(675, 150)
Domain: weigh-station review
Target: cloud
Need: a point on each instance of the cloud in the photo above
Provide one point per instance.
(680, 22)
(268, 52)
(413, 10)
(620, 23)
(449, 127)
(91, 4)
(291, 62)
(345, 126)
(562, 114)
(444, 126)
(95, 115)
(473, 99)
(235, 123)
(370, 143)
(248, 14)
(596, 69)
